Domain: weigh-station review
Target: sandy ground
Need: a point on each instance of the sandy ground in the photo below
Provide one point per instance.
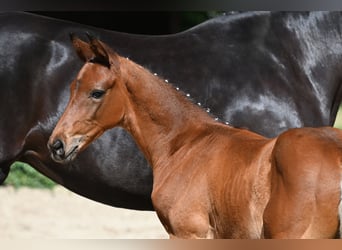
(60, 214)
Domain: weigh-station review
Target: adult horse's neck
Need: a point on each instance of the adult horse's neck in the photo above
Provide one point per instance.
(159, 117)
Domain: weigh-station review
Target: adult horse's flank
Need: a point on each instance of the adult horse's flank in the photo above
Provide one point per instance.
(266, 71)
(210, 180)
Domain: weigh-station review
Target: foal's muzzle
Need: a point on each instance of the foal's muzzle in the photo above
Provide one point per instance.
(57, 150)
(59, 153)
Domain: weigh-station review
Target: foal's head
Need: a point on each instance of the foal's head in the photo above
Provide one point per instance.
(97, 101)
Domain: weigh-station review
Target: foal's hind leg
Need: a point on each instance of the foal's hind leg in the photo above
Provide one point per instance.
(305, 192)
(299, 218)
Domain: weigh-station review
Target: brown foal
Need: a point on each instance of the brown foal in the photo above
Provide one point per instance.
(211, 180)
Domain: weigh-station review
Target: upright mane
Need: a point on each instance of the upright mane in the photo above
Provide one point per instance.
(170, 96)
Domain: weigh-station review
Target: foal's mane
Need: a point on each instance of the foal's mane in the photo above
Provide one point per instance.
(183, 97)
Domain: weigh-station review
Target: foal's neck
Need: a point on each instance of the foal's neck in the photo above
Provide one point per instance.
(159, 117)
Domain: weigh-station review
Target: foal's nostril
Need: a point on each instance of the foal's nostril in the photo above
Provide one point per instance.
(58, 147)
(57, 144)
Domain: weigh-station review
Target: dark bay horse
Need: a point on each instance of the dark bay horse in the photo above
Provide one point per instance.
(211, 180)
(260, 70)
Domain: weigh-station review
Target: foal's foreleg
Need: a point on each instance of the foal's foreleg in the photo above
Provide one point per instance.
(209, 235)
(188, 226)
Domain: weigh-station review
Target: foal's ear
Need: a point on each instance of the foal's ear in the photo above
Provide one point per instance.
(103, 54)
(82, 48)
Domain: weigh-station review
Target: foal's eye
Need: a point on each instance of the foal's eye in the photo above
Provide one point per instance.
(97, 93)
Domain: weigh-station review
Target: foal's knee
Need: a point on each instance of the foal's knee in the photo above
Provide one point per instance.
(191, 226)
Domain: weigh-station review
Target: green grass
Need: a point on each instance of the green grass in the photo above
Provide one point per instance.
(23, 175)
(338, 121)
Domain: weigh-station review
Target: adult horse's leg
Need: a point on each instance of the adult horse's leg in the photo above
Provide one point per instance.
(8, 156)
(4, 170)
